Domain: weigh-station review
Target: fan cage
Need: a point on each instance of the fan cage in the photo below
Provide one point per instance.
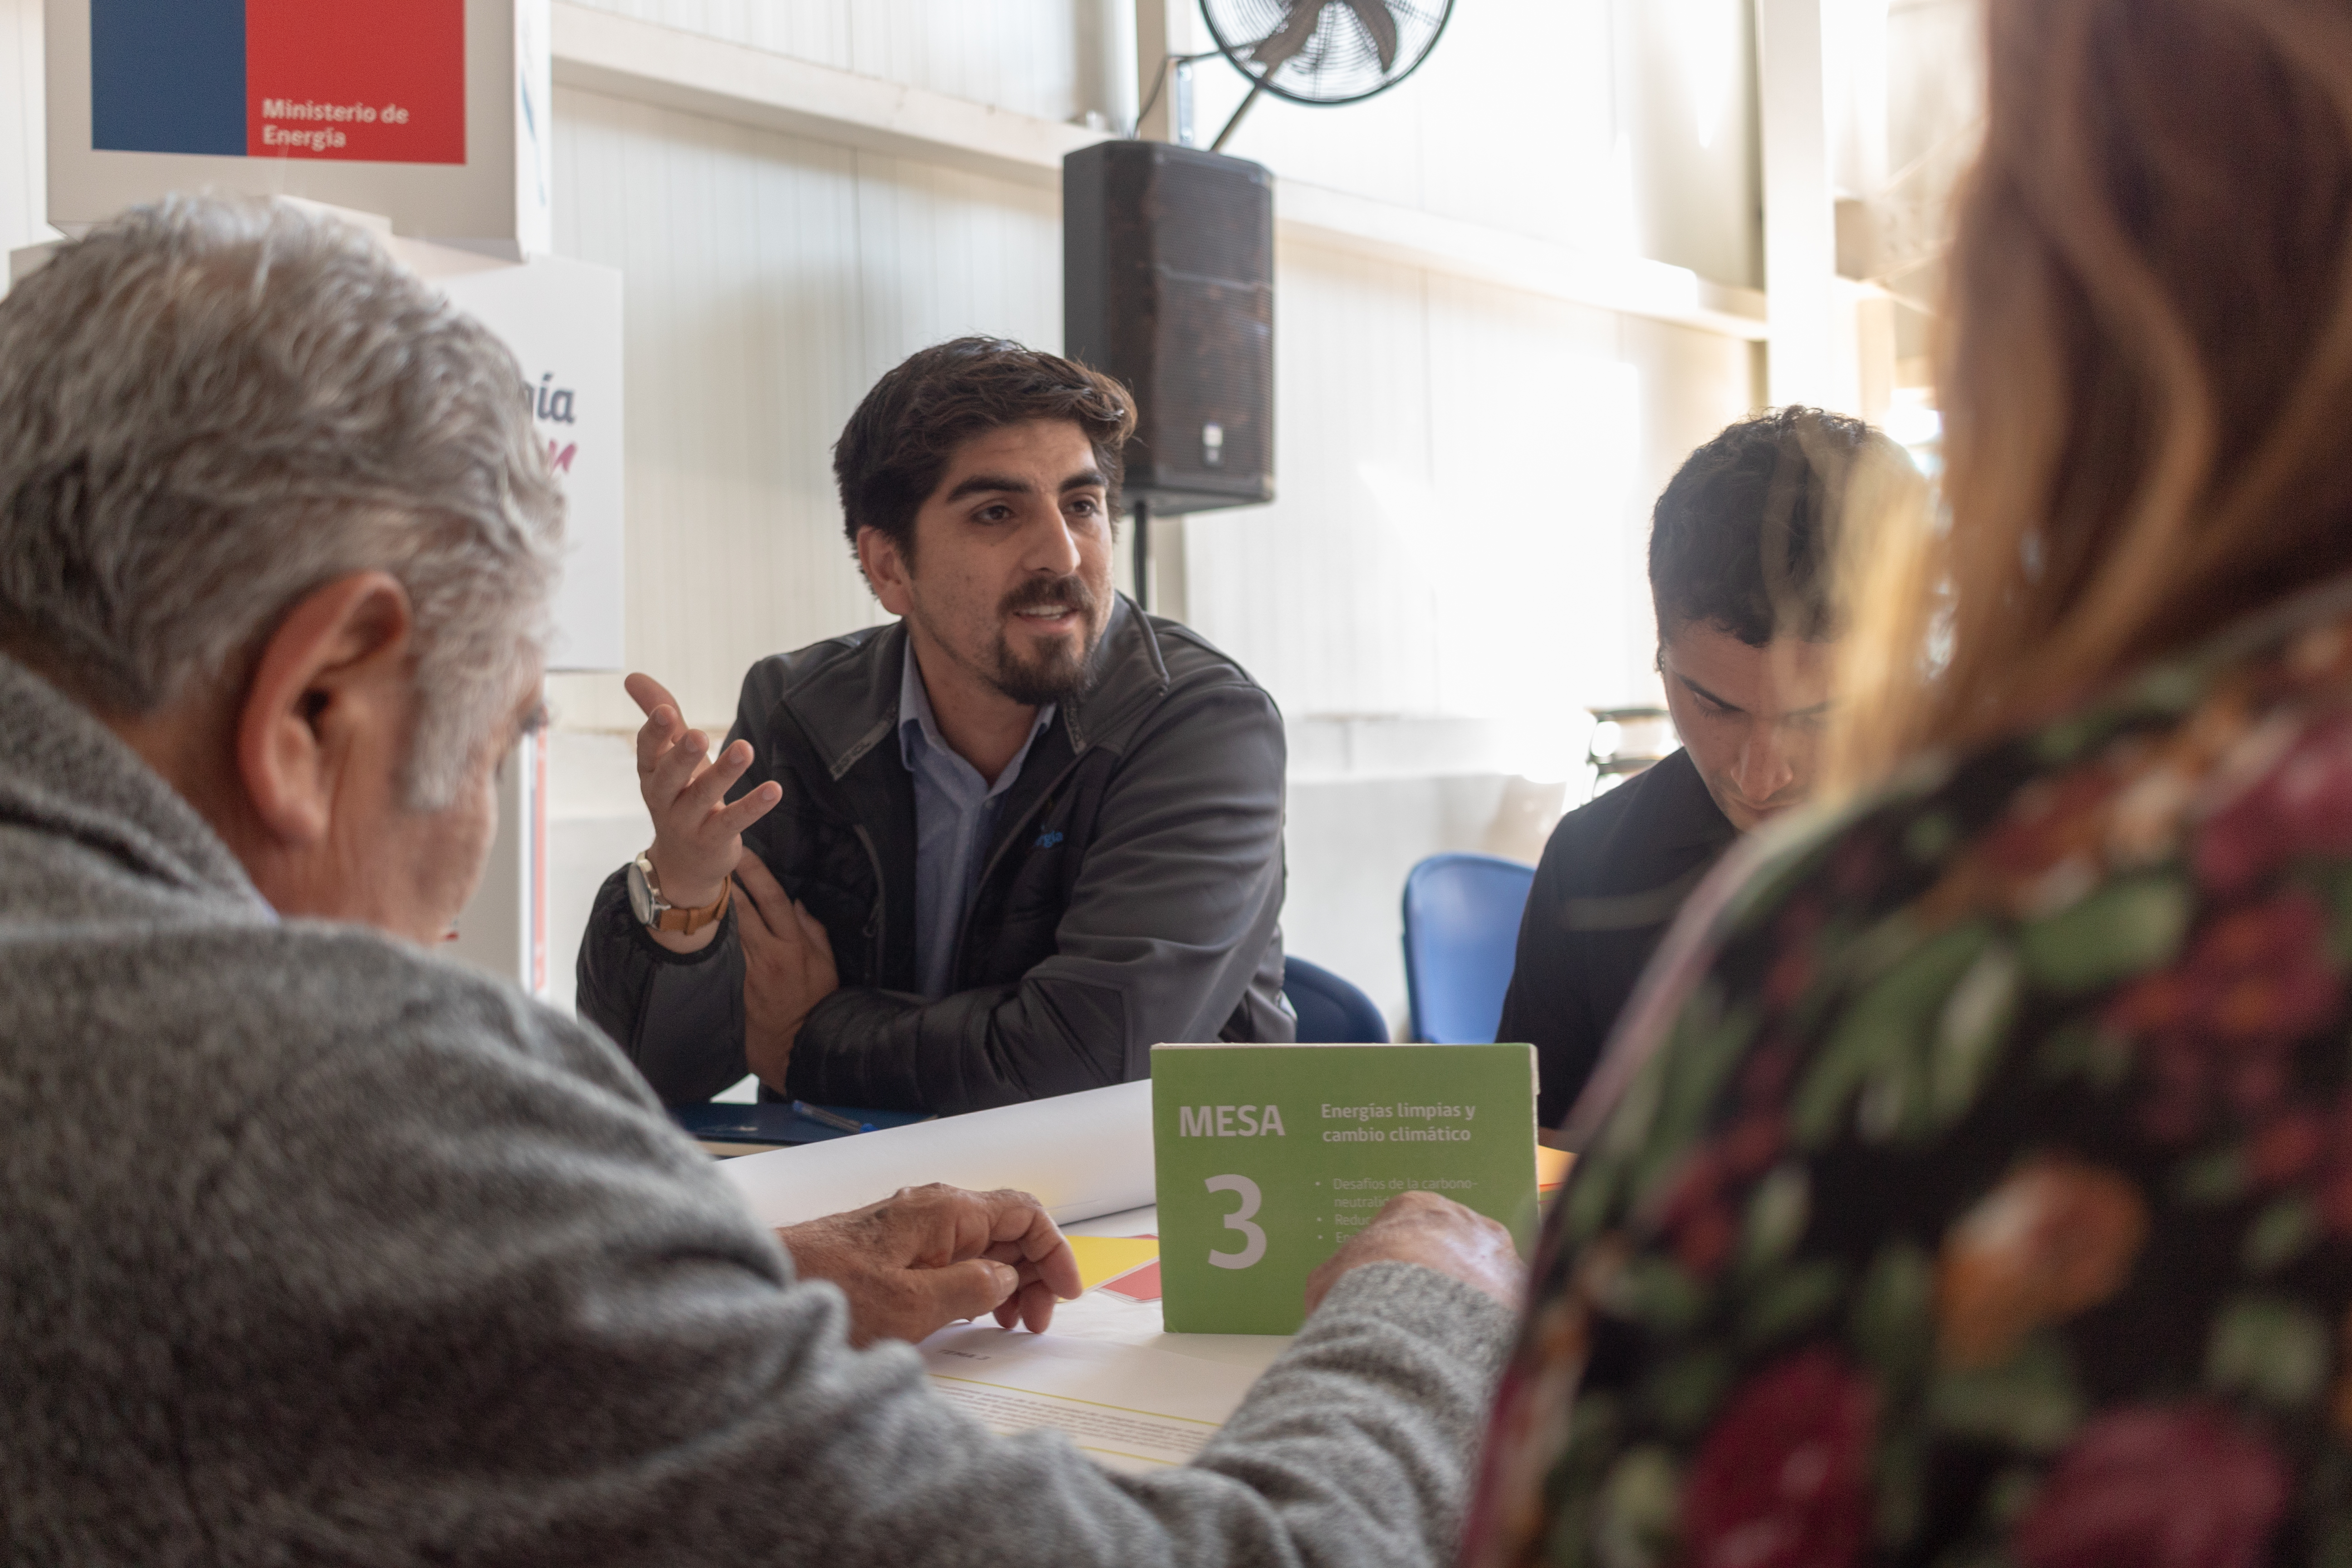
(1341, 50)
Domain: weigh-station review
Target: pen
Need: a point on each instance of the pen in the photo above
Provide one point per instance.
(823, 1118)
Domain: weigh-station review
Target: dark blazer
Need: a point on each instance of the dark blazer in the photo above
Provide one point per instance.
(1129, 896)
(1613, 878)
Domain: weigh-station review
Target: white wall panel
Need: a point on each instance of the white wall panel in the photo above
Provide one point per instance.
(1023, 54)
(1935, 76)
(1015, 54)
(740, 310)
(1320, 594)
(24, 179)
(1532, 538)
(1687, 98)
(1464, 475)
(1348, 845)
(769, 280)
(1624, 126)
(806, 29)
(1521, 119)
(1620, 126)
(943, 253)
(1693, 384)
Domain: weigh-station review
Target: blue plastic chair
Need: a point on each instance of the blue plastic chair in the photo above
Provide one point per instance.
(1331, 1011)
(1461, 934)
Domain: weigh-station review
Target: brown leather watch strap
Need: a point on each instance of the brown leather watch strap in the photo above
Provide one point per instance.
(686, 922)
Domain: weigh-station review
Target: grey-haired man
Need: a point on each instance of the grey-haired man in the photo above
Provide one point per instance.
(318, 1249)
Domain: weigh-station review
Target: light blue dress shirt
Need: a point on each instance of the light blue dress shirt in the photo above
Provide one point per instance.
(955, 817)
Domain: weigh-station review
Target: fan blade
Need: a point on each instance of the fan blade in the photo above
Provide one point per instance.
(1374, 15)
(1275, 48)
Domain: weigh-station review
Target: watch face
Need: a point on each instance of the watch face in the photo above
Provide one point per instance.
(641, 893)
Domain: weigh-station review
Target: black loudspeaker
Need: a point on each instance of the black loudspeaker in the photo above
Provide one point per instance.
(1167, 284)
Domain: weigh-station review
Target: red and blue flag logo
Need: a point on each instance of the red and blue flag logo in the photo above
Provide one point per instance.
(287, 79)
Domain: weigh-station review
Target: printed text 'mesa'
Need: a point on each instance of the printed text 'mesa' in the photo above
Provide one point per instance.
(1229, 1121)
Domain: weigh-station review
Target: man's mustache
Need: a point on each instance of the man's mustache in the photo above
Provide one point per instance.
(1060, 593)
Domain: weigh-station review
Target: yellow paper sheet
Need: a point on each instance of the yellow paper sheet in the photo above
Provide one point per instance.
(1102, 1258)
(1551, 1167)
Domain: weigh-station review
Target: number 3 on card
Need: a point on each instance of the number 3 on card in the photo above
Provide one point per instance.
(1253, 1238)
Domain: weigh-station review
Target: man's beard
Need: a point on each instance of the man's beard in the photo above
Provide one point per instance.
(1060, 672)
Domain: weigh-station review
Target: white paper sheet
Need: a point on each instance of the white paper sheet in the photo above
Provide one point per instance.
(1144, 1221)
(1133, 1407)
(1108, 1318)
(1081, 1154)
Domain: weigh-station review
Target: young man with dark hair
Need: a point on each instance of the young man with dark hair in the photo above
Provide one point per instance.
(990, 852)
(1742, 556)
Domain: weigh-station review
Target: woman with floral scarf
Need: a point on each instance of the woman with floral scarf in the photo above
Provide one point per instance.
(1971, 1181)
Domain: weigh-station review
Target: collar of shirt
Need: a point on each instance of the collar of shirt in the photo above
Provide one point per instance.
(918, 733)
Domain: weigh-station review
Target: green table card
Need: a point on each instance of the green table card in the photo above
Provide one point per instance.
(1270, 1156)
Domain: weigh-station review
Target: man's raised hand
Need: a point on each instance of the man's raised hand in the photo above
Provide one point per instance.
(697, 836)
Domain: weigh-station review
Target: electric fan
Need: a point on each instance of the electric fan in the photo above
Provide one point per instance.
(1322, 51)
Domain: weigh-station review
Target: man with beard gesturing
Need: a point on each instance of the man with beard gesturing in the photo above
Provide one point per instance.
(990, 852)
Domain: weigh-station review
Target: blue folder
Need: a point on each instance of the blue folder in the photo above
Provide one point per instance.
(774, 1123)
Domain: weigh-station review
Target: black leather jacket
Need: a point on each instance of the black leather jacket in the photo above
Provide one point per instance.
(1130, 895)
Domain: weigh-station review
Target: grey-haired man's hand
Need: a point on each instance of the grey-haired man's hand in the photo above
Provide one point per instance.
(927, 1257)
(1435, 1232)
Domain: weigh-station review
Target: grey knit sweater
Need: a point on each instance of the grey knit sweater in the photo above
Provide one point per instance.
(314, 1248)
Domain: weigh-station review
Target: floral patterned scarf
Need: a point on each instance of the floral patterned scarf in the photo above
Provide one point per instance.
(1971, 1183)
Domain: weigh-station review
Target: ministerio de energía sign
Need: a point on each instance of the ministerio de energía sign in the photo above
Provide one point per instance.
(424, 121)
(256, 78)
(432, 113)
(328, 140)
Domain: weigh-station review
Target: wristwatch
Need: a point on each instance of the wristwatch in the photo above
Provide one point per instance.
(657, 913)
